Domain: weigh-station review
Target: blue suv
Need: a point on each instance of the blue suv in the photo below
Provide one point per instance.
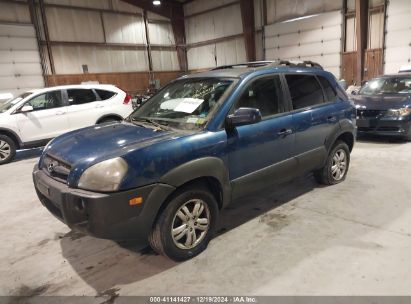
(164, 173)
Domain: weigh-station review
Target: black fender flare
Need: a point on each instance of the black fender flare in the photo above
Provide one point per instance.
(345, 126)
(212, 167)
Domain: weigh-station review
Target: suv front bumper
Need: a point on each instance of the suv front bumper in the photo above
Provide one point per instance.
(384, 126)
(103, 215)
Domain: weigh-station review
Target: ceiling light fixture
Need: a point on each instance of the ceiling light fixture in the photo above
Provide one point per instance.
(156, 2)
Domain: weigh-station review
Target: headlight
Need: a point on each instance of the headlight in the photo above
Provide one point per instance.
(399, 112)
(105, 176)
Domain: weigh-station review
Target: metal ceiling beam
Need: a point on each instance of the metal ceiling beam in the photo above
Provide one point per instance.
(247, 15)
(361, 16)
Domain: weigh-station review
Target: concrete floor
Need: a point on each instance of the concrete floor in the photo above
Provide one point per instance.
(297, 239)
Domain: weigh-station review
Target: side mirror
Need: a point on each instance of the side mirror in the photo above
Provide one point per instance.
(26, 109)
(243, 116)
(354, 93)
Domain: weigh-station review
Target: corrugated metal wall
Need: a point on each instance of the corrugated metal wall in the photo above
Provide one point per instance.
(201, 27)
(112, 28)
(398, 37)
(20, 67)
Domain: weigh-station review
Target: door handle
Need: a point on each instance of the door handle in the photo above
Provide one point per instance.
(285, 132)
(331, 118)
(60, 113)
(99, 106)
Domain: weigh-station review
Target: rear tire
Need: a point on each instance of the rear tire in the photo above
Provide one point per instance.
(336, 166)
(7, 149)
(185, 227)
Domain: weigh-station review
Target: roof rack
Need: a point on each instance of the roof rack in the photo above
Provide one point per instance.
(276, 63)
(252, 64)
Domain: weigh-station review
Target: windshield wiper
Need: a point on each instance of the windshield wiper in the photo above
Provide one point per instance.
(142, 122)
(158, 125)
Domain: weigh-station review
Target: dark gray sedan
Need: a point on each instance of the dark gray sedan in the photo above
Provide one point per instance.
(384, 106)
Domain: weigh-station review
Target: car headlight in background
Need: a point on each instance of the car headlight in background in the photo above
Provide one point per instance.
(398, 112)
(105, 176)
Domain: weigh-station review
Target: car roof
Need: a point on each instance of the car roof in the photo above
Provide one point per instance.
(75, 86)
(242, 70)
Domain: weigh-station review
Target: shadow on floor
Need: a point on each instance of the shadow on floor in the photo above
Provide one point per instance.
(105, 264)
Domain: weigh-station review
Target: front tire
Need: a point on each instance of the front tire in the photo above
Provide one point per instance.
(336, 166)
(7, 149)
(185, 227)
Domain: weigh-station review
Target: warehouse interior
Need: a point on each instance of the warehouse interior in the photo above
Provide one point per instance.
(293, 239)
(134, 43)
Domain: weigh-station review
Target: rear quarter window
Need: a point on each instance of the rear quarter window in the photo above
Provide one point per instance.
(330, 94)
(104, 94)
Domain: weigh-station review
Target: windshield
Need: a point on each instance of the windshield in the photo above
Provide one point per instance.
(184, 104)
(10, 103)
(391, 85)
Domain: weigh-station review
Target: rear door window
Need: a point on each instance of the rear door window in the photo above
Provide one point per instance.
(80, 96)
(104, 94)
(329, 92)
(305, 91)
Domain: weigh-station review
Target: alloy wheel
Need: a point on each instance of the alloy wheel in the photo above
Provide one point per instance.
(339, 165)
(191, 224)
(5, 150)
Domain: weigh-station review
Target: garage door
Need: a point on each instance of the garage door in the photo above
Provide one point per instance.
(20, 68)
(398, 37)
(316, 38)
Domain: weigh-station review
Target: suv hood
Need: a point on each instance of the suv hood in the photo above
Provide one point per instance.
(85, 147)
(382, 102)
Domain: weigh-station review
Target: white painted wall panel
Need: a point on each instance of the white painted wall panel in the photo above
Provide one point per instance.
(101, 4)
(161, 33)
(69, 59)
(165, 60)
(317, 38)
(398, 37)
(222, 53)
(201, 57)
(74, 25)
(124, 29)
(216, 24)
(201, 6)
(153, 16)
(231, 52)
(20, 67)
(122, 6)
(12, 12)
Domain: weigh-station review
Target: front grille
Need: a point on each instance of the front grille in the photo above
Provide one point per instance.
(389, 129)
(55, 168)
(369, 113)
(380, 129)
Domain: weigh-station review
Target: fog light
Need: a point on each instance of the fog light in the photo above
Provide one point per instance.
(135, 201)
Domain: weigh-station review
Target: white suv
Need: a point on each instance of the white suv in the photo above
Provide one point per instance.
(35, 117)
